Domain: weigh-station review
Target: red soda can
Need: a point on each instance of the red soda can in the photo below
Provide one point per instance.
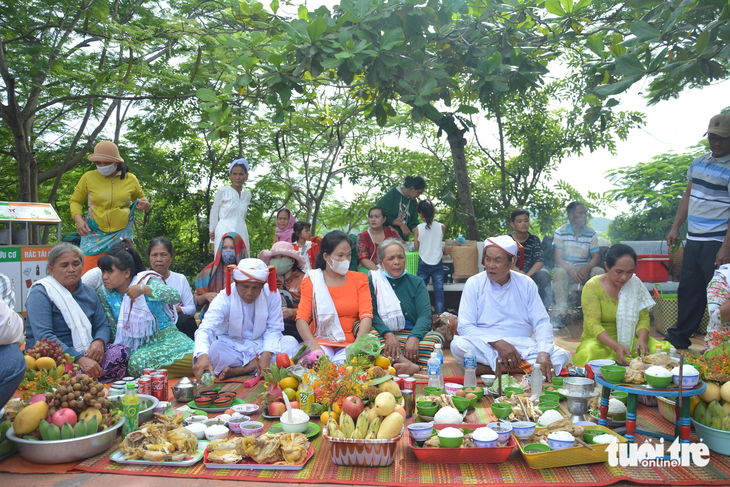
(148, 372)
(145, 385)
(399, 382)
(164, 373)
(409, 384)
(158, 387)
(403, 376)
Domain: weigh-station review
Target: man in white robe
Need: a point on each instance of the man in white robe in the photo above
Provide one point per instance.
(242, 329)
(500, 311)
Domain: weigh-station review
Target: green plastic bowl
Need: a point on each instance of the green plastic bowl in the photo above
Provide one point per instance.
(548, 405)
(621, 396)
(427, 408)
(508, 391)
(461, 403)
(590, 434)
(454, 442)
(500, 410)
(657, 382)
(613, 373)
(477, 391)
(558, 382)
(696, 366)
(550, 396)
(536, 448)
(432, 391)
(553, 390)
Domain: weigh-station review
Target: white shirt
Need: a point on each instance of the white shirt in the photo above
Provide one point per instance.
(11, 326)
(215, 323)
(430, 243)
(228, 214)
(514, 312)
(179, 282)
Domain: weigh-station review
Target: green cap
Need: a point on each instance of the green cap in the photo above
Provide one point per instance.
(130, 385)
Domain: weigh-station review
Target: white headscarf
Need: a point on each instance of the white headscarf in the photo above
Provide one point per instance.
(389, 308)
(504, 242)
(248, 270)
(73, 315)
(238, 162)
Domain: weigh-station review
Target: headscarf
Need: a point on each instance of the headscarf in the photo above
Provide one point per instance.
(212, 279)
(506, 243)
(237, 162)
(285, 234)
(249, 270)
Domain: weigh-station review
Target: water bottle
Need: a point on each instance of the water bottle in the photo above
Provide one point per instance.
(439, 353)
(207, 379)
(673, 354)
(434, 371)
(470, 368)
(130, 406)
(536, 381)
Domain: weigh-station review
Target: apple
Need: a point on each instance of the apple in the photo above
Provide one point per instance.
(399, 409)
(277, 409)
(64, 415)
(293, 404)
(353, 406)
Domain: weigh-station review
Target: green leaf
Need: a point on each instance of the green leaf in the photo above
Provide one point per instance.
(644, 30)
(391, 38)
(582, 4)
(616, 88)
(429, 87)
(629, 65)
(207, 95)
(276, 59)
(567, 5)
(432, 112)
(469, 110)
(303, 12)
(331, 63)
(245, 10)
(702, 41)
(275, 6)
(554, 7)
(316, 29)
(494, 61)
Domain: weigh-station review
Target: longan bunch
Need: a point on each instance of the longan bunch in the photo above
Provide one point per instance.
(81, 392)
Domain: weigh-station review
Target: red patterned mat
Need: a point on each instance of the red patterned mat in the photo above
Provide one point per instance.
(406, 470)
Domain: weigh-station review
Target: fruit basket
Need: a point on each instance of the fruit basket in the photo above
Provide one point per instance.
(363, 453)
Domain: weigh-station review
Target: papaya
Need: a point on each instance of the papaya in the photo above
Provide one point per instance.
(28, 419)
(45, 363)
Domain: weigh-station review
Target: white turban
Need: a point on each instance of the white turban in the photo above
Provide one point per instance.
(251, 270)
(504, 242)
(238, 162)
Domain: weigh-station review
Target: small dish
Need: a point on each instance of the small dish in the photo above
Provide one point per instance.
(503, 430)
(508, 391)
(485, 444)
(548, 405)
(245, 408)
(217, 432)
(203, 402)
(213, 422)
(452, 387)
(295, 427)
(535, 448)
(550, 396)
(501, 410)
(621, 396)
(222, 402)
(451, 441)
(420, 431)
(428, 408)
(557, 382)
(252, 428)
(461, 403)
(597, 364)
(432, 391)
(235, 423)
(658, 382)
(688, 381)
(312, 431)
(195, 419)
(488, 379)
(210, 394)
(198, 429)
(588, 435)
(613, 373)
(523, 429)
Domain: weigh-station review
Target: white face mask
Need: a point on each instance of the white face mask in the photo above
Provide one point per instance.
(339, 266)
(106, 170)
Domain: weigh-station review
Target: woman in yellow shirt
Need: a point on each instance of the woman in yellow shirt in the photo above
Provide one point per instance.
(112, 195)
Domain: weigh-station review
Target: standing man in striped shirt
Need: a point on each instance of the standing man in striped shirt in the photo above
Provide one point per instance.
(576, 257)
(706, 207)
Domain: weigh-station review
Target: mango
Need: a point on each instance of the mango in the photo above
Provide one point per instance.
(29, 418)
(390, 386)
(391, 426)
(30, 363)
(45, 363)
(384, 403)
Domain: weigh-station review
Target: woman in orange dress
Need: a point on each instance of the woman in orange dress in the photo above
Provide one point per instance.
(336, 307)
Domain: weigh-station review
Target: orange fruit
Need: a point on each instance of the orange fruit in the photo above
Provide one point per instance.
(289, 382)
(324, 417)
(334, 415)
(382, 361)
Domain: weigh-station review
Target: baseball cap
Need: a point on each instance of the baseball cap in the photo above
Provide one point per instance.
(719, 125)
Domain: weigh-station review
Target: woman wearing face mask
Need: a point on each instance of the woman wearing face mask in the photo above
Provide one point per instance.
(112, 194)
(335, 306)
(230, 207)
(160, 254)
(212, 279)
(368, 241)
(289, 276)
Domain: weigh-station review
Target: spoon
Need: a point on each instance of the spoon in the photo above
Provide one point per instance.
(288, 408)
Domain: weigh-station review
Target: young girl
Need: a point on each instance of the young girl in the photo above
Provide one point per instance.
(284, 225)
(305, 244)
(428, 240)
(230, 207)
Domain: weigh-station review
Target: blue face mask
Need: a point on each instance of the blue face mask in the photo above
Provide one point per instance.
(228, 257)
(391, 277)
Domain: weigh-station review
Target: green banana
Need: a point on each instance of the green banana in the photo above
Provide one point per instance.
(92, 426)
(30, 438)
(4, 427)
(80, 430)
(374, 427)
(7, 446)
(54, 433)
(349, 425)
(356, 435)
(30, 374)
(371, 436)
(362, 424)
(67, 432)
(43, 428)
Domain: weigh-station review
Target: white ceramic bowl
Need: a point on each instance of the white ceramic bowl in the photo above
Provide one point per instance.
(196, 419)
(294, 427)
(597, 364)
(452, 387)
(523, 430)
(488, 379)
(213, 421)
(420, 431)
(210, 435)
(688, 381)
(485, 444)
(246, 409)
(502, 436)
(234, 424)
(559, 444)
(252, 428)
(198, 429)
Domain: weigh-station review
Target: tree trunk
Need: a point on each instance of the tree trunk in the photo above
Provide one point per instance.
(457, 142)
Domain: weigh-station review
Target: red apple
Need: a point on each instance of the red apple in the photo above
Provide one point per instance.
(64, 415)
(277, 409)
(353, 406)
(399, 409)
(294, 404)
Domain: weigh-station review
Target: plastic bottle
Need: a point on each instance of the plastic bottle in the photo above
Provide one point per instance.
(207, 379)
(658, 349)
(536, 381)
(130, 406)
(306, 396)
(434, 371)
(439, 353)
(673, 353)
(470, 368)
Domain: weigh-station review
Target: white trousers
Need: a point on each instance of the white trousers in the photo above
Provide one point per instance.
(337, 355)
(225, 352)
(488, 355)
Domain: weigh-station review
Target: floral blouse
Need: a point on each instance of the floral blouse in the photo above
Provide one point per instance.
(162, 296)
(367, 249)
(718, 292)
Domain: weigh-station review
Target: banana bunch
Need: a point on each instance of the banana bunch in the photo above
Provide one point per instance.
(51, 432)
(53, 373)
(364, 429)
(6, 446)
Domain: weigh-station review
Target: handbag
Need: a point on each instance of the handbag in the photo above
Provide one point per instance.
(667, 311)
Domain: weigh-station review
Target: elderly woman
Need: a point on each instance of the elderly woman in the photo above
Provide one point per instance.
(212, 279)
(616, 313)
(336, 306)
(402, 310)
(289, 276)
(160, 254)
(142, 307)
(368, 241)
(61, 307)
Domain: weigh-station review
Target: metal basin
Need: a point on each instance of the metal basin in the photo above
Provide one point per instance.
(63, 451)
(145, 414)
(578, 386)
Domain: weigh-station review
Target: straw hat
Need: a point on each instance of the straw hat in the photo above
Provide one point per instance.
(282, 248)
(105, 151)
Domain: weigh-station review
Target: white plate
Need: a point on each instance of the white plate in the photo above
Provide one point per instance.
(248, 464)
(118, 457)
